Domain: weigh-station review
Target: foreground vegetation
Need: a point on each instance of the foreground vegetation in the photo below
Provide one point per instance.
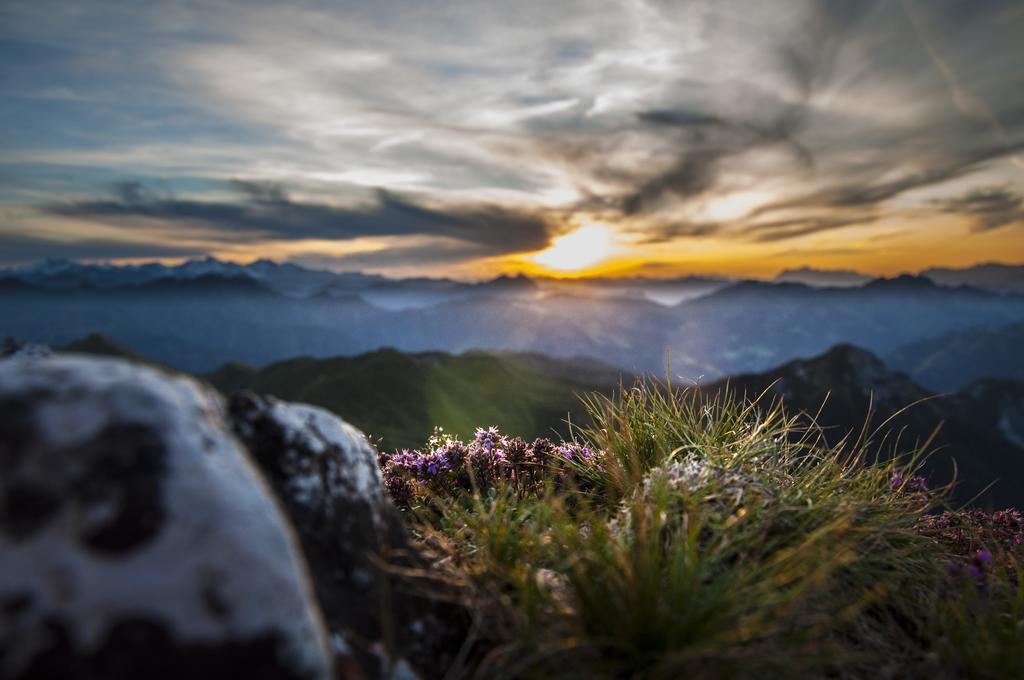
(681, 534)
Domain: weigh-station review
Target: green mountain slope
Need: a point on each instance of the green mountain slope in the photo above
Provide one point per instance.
(101, 345)
(399, 398)
(979, 429)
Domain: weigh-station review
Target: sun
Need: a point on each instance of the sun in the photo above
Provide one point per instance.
(579, 249)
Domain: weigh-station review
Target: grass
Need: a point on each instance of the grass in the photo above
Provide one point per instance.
(713, 537)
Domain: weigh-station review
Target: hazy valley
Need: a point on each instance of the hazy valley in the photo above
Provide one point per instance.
(203, 314)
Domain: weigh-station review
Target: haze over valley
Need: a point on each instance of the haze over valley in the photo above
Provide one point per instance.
(204, 313)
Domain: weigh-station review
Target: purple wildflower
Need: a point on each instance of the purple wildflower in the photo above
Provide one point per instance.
(448, 465)
(577, 454)
(488, 438)
(399, 488)
(965, 531)
(901, 483)
(974, 569)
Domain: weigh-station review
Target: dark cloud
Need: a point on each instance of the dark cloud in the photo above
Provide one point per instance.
(24, 249)
(669, 231)
(266, 212)
(260, 192)
(989, 208)
(764, 232)
(780, 230)
(130, 191)
(868, 195)
(704, 140)
(680, 118)
(691, 175)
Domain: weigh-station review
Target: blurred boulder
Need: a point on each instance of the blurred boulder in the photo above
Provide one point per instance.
(13, 347)
(137, 538)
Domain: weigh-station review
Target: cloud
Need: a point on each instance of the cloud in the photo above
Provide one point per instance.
(704, 140)
(437, 253)
(988, 208)
(782, 230)
(871, 194)
(487, 128)
(261, 192)
(672, 230)
(709, 130)
(130, 191)
(266, 212)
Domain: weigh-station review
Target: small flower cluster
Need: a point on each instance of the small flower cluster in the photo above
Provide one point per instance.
(447, 465)
(965, 532)
(901, 483)
(974, 569)
(969, 534)
(577, 454)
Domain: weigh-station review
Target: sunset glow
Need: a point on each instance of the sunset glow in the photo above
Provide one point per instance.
(579, 249)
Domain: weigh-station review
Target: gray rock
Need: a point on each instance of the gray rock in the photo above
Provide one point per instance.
(328, 477)
(137, 538)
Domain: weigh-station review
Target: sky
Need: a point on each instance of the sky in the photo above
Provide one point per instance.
(470, 139)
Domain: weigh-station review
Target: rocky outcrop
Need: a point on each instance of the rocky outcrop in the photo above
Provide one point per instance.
(327, 476)
(137, 538)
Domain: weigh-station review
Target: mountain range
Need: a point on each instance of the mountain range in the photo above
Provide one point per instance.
(992, 276)
(299, 281)
(1001, 278)
(203, 314)
(823, 277)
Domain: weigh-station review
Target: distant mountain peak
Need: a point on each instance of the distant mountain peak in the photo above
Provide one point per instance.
(859, 360)
(753, 286)
(844, 369)
(207, 265)
(994, 276)
(823, 277)
(511, 281)
(843, 360)
(902, 282)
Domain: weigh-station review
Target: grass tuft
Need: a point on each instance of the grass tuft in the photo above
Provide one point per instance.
(711, 536)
